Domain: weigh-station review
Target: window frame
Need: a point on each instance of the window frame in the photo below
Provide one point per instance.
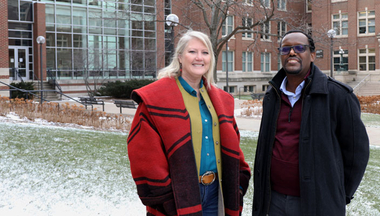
(279, 31)
(340, 21)
(366, 18)
(264, 64)
(284, 2)
(245, 63)
(232, 63)
(226, 25)
(265, 27)
(367, 55)
(245, 22)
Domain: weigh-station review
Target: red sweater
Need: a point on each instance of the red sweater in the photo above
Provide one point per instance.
(284, 166)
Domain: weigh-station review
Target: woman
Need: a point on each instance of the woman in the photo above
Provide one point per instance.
(183, 145)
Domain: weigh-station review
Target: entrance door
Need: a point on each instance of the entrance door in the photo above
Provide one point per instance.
(18, 63)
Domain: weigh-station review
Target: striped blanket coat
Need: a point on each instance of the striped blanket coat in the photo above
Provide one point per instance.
(161, 154)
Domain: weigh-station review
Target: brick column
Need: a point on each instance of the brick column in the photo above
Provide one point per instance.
(39, 29)
(4, 58)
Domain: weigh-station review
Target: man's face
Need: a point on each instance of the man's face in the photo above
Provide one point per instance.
(296, 63)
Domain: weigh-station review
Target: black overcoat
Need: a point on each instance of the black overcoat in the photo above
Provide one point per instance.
(333, 146)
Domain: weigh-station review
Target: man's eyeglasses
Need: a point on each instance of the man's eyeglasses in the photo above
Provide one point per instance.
(297, 49)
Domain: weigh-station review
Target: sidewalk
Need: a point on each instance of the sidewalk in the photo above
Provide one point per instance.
(244, 123)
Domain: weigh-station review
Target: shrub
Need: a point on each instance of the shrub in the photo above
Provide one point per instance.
(22, 85)
(123, 89)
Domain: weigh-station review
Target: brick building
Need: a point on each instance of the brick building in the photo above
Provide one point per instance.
(122, 39)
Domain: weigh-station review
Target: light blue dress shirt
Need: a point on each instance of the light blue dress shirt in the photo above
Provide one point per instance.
(293, 97)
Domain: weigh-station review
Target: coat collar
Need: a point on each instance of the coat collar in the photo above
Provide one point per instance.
(316, 83)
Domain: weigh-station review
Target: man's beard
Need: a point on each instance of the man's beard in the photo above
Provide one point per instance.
(294, 72)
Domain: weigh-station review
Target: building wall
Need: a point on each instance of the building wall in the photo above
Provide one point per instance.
(4, 65)
(39, 29)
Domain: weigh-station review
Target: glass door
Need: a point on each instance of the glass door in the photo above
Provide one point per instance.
(18, 63)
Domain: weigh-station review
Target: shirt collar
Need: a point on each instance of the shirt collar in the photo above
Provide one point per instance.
(188, 88)
(299, 87)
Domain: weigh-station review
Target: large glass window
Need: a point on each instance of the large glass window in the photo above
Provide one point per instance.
(26, 11)
(79, 16)
(366, 21)
(63, 14)
(340, 24)
(265, 62)
(64, 59)
(13, 10)
(49, 13)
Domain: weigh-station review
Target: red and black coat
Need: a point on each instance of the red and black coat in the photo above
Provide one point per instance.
(161, 154)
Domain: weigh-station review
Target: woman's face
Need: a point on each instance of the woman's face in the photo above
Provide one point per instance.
(195, 59)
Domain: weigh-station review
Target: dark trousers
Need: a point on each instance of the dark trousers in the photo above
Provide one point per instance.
(284, 205)
(209, 197)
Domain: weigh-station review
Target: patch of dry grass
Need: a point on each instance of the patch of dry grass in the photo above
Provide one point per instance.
(64, 113)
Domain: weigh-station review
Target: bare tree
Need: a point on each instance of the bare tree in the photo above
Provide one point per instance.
(211, 16)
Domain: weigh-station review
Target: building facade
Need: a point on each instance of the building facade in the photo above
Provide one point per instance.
(126, 39)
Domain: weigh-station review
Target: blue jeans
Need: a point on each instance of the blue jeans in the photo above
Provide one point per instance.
(209, 198)
(284, 205)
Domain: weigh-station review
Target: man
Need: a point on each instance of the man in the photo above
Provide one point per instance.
(313, 148)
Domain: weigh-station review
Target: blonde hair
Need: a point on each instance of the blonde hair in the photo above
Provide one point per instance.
(172, 70)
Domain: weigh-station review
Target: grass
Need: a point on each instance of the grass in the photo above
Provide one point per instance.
(50, 170)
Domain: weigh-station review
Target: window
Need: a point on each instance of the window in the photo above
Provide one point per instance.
(281, 28)
(264, 87)
(247, 22)
(279, 63)
(265, 62)
(308, 6)
(281, 4)
(265, 28)
(230, 62)
(309, 29)
(250, 88)
(231, 89)
(265, 3)
(228, 25)
(340, 61)
(249, 2)
(340, 23)
(366, 21)
(247, 61)
(367, 59)
(338, 0)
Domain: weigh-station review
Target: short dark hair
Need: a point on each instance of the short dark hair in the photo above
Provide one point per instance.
(309, 38)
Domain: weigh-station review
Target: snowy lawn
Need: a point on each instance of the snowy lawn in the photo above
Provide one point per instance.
(50, 170)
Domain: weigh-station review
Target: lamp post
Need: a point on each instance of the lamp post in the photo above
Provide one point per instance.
(227, 66)
(331, 34)
(172, 21)
(341, 52)
(40, 41)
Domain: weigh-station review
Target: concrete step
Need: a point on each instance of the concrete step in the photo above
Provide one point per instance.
(369, 88)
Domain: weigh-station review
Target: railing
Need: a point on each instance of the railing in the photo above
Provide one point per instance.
(32, 92)
(362, 82)
(15, 74)
(101, 74)
(52, 80)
